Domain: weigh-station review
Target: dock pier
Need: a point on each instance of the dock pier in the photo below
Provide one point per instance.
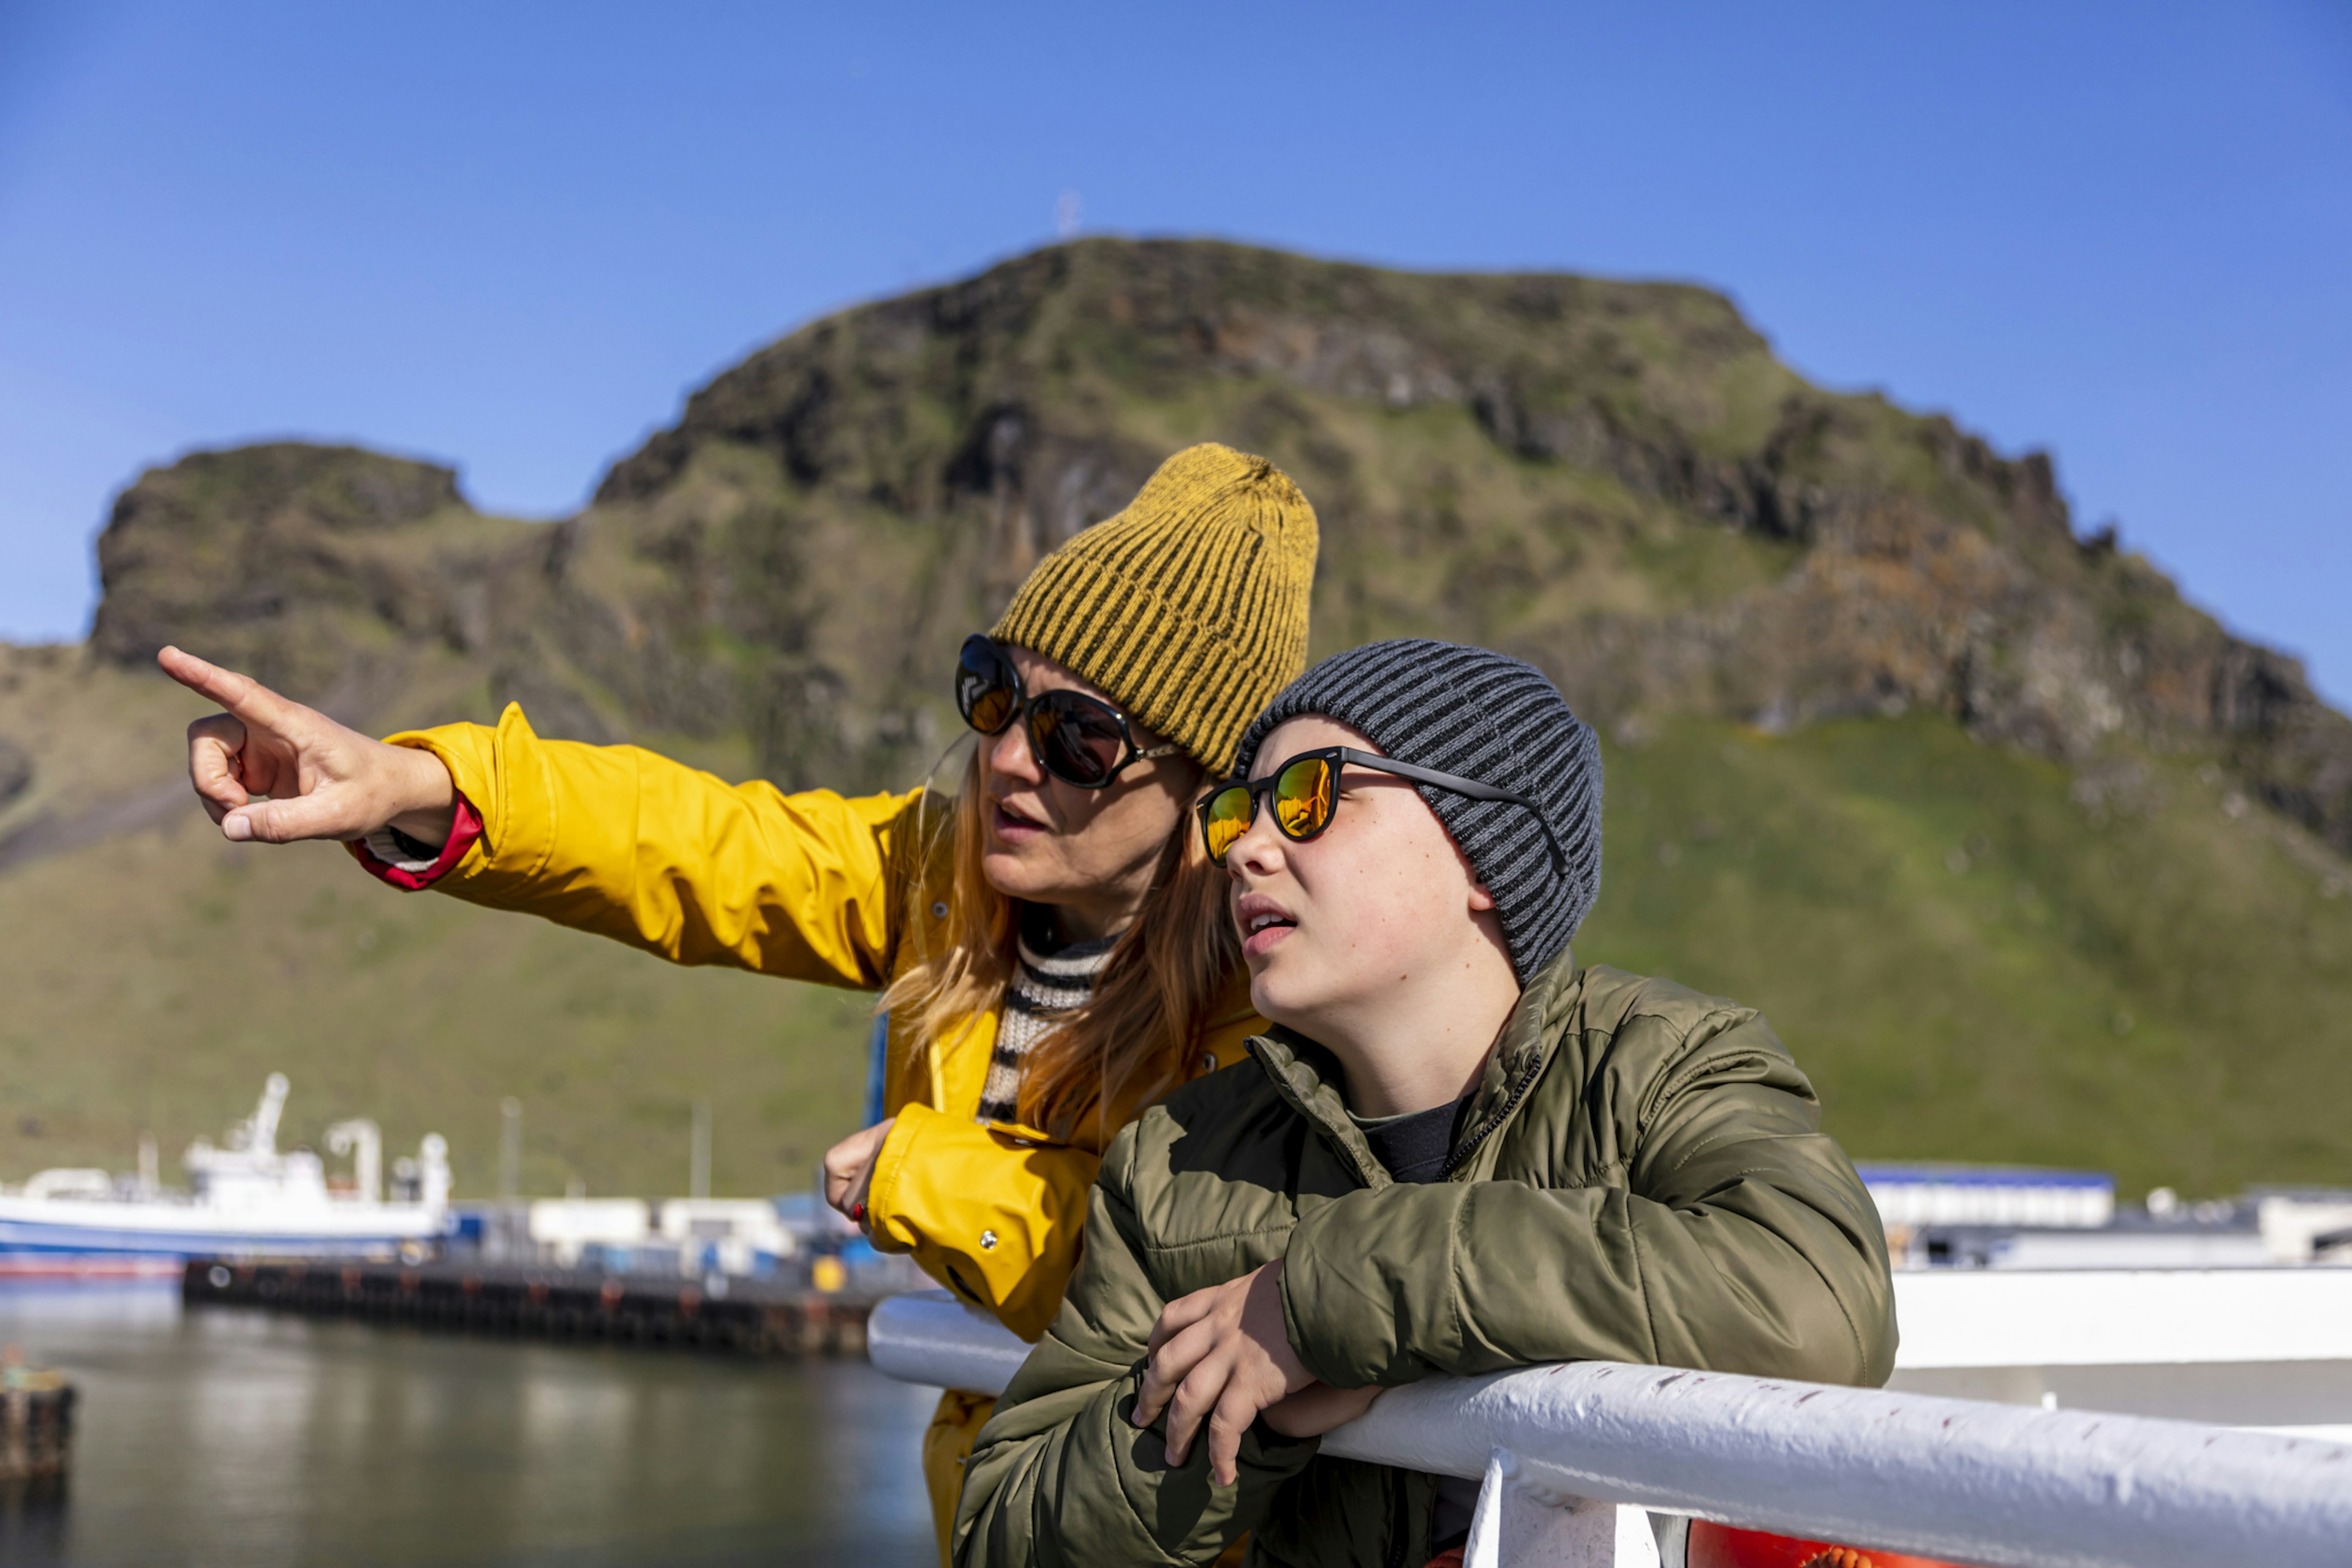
(746, 1317)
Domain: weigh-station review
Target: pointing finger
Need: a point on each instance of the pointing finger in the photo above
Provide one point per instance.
(241, 694)
(200, 676)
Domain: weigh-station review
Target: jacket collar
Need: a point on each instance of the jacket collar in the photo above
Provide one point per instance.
(1307, 1075)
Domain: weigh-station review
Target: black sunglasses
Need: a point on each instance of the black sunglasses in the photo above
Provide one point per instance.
(1305, 791)
(1080, 740)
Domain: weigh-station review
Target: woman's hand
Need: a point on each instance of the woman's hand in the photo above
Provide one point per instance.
(323, 779)
(850, 1171)
(1220, 1355)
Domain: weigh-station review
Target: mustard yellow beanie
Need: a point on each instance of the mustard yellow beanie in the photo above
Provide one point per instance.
(1189, 608)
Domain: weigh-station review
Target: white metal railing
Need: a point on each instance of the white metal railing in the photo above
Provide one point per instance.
(1572, 1455)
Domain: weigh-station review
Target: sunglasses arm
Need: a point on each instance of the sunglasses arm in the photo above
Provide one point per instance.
(1460, 786)
(1134, 756)
(1454, 782)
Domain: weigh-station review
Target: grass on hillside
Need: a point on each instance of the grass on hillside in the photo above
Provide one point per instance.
(1974, 955)
(1975, 963)
(157, 979)
(153, 980)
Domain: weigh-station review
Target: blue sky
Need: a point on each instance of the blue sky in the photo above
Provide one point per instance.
(514, 237)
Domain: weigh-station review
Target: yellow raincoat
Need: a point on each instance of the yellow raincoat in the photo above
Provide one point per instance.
(814, 886)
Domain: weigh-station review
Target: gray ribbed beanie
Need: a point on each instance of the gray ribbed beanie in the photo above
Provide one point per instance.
(1488, 717)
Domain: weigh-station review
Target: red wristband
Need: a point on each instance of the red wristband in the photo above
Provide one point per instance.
(463, 831)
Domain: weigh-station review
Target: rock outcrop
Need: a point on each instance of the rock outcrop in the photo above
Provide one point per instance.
(275, 558)
(1616, 480)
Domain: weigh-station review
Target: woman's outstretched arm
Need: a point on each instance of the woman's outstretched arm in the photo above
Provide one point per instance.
(611, 839)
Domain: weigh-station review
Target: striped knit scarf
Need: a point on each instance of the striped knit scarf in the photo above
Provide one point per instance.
(1046, 987)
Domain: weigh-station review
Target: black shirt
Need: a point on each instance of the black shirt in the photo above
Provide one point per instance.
(1413, 1148)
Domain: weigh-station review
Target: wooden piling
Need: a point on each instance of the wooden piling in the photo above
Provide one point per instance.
(36, 1424)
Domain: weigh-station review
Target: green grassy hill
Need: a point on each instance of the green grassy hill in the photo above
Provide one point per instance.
(1973, 965)
(2027, 858)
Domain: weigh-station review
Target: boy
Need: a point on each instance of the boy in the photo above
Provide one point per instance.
(1458, 1150)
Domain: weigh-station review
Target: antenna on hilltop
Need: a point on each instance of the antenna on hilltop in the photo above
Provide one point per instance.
(1068, 212)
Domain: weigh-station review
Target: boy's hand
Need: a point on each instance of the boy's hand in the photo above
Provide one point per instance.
(1220, 1355)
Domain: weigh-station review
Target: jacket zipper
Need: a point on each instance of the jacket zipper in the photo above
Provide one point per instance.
(1401, 1516)
(1454, 1160)
(1400, 1519)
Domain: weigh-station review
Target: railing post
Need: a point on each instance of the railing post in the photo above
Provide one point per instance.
(1521, 1522)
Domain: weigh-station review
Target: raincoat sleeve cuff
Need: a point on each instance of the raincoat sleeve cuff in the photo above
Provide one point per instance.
(891, 1229)
(997, 1219)
(382, 854)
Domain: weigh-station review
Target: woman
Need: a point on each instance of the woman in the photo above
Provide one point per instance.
(1051, 955)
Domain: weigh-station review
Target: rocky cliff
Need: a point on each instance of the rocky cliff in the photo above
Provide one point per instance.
(1615, 480)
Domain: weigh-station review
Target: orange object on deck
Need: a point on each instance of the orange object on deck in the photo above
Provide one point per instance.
(1720, 1546)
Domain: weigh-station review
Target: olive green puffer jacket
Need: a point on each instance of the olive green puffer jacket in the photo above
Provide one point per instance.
(1641, 1178)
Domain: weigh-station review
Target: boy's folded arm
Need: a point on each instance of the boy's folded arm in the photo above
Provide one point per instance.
(1060, 1475)
(1743, 1242)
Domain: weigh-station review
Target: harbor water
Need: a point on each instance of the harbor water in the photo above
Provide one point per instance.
(233, 1434)
(230, 1436)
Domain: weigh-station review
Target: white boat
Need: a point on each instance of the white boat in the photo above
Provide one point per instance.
(246, 1200)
